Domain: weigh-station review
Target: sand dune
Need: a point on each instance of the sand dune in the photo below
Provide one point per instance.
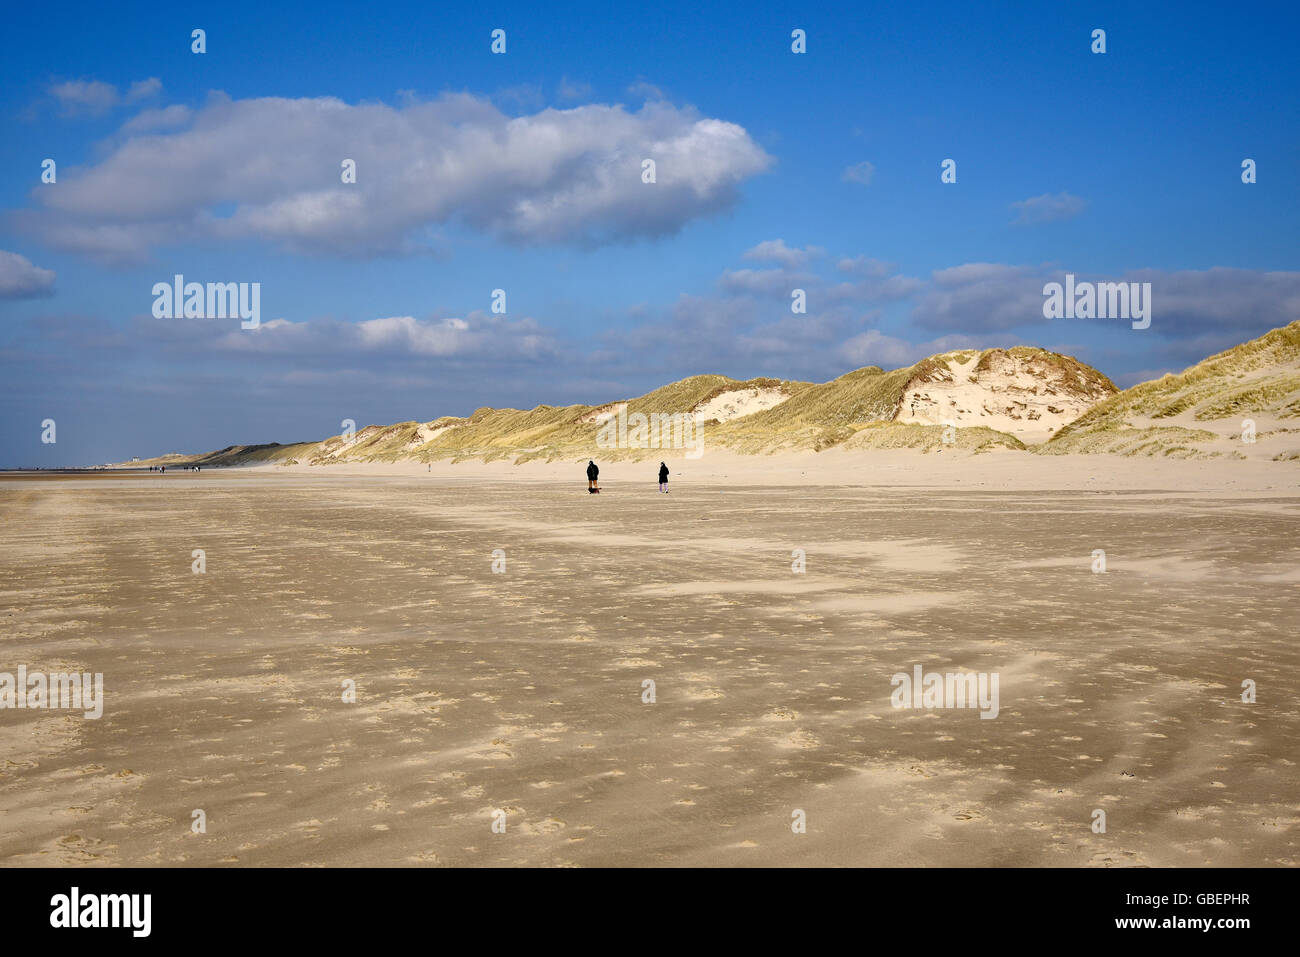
(1240, 404)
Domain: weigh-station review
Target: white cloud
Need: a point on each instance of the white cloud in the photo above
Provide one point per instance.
(477, 336)
(859, 173)
(1047, 208)
(554, 176)
(449, 337)
(168, 117)
(19, 279)
(874, 347)
(873, 289)
(864, 266)
(775, 250)
(762, 282)
(574, 89)
(143, 89)
(85, 96)
(646, 91)
(95, 97)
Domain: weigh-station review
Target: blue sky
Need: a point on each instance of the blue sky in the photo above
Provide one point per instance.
(521, 171)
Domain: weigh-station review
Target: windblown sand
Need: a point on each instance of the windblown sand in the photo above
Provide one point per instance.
(522, 691)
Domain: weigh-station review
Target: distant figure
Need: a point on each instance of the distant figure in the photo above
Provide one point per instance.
(592, 473)
(162, 468)
(663, 478)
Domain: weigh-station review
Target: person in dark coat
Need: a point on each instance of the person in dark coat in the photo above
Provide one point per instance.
(592, 473)
(663, 477)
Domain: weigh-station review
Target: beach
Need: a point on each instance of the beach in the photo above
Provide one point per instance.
(496, 627)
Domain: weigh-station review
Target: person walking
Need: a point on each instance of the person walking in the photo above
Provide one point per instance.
(592, 473)
(663, 478)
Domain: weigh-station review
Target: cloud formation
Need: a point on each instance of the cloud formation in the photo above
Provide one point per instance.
(775, 250)
(19, 279)
(1048, 208)
(859, 173)
(269, 169)
(573, 89)
(95, 97)
(478, 335)
(875, 348)
(1229, 304)
(982, 297)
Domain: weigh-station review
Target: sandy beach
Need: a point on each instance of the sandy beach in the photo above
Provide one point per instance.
(521, 690)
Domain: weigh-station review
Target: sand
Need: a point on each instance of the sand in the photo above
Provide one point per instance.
(1004, 399)
(522, 691)
(738, 403)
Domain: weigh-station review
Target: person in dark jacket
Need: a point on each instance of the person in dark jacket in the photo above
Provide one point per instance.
(592, 473)
(663, 477)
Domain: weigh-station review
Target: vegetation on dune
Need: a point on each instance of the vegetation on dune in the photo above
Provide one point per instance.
(1266, 394)
(1155, 440)
(232, 455)
(545, 432)
(1067, 372)
(936, 368)
(864, 395)
(1260, 377)
(929, 438)
(858, 410)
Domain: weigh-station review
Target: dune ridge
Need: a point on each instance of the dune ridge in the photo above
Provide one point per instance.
(1024, 399)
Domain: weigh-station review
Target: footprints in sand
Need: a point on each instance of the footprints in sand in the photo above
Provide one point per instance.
(707, 694)
(499, 751)
(548, 826)
(76, 850)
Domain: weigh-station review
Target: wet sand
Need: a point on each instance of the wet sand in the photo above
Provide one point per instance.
(522, 691)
